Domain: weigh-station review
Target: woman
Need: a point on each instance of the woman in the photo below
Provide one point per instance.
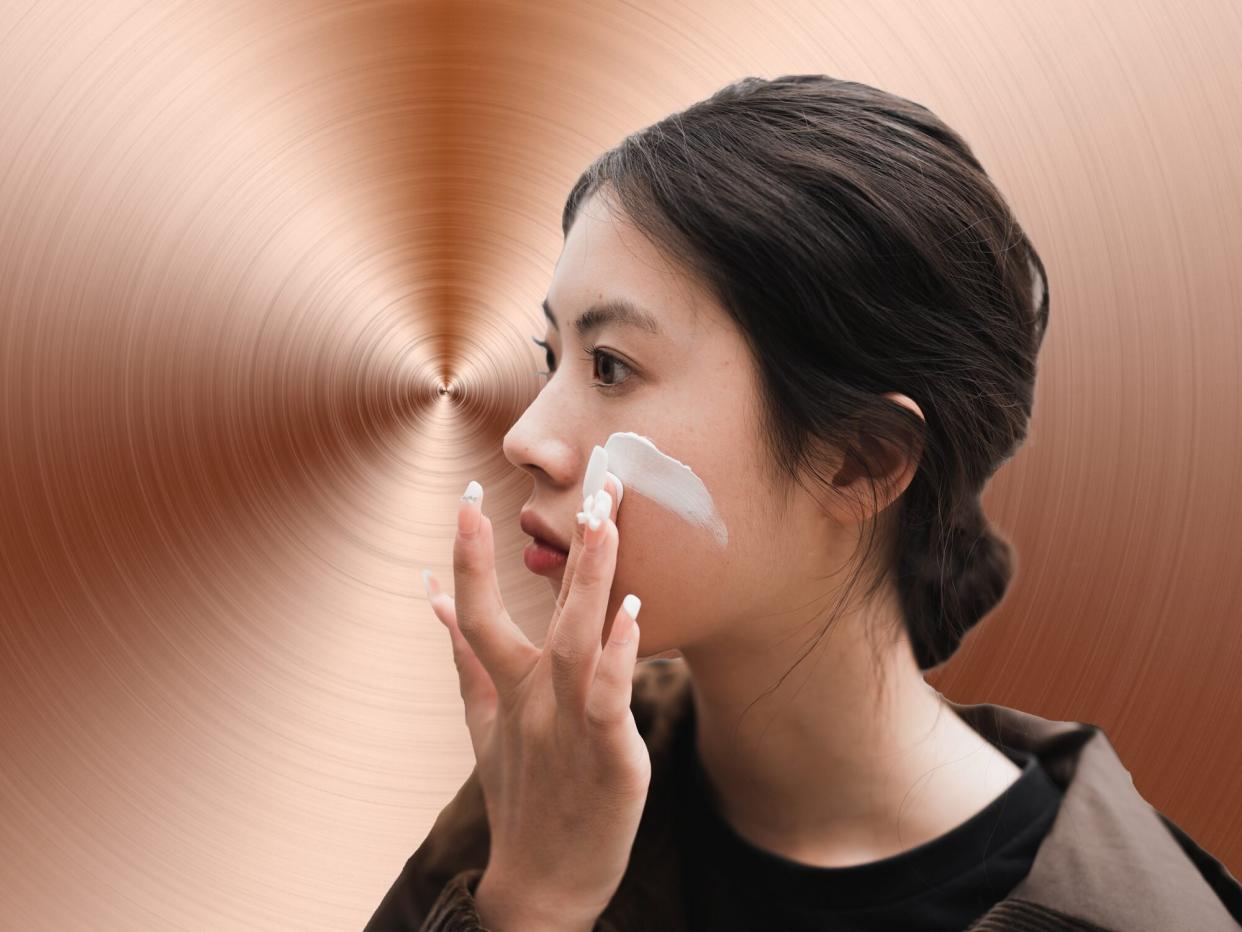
(799, 325)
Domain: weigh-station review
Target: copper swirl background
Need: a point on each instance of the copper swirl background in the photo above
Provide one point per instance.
(267, 277)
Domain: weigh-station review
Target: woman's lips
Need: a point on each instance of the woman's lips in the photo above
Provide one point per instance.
(543, 559)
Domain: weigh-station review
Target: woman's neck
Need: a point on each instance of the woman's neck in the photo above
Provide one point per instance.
(827, 769)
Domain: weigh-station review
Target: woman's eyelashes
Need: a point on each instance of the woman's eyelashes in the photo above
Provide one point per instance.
(601, 359)
(550, 359)
(604, 366)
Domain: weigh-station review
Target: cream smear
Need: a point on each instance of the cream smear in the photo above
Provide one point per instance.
(668, 482)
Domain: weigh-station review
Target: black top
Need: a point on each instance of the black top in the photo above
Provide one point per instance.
(943, 884)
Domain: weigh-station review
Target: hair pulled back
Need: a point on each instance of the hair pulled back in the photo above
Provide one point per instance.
(861, 248)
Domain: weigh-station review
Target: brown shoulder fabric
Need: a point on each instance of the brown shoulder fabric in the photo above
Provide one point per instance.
(1014, 915)
(438, 880)
(1108, 859)
(455, 910)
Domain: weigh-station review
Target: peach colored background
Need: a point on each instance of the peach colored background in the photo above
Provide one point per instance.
(243, 244)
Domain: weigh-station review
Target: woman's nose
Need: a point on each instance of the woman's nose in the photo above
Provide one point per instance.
(537, 444)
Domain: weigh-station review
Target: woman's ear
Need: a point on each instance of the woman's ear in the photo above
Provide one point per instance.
(891, 467)
(906, 402)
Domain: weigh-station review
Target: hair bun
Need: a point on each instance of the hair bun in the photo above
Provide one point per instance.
(962, 573)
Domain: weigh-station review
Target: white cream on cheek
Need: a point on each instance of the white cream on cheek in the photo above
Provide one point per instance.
(636, 461)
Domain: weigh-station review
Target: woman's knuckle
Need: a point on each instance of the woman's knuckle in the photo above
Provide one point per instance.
(467, 624)
(600, 717)
(588, 581)
(466, 553)
(565, 653)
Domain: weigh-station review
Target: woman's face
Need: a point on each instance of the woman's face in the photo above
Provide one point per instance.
(691, 389)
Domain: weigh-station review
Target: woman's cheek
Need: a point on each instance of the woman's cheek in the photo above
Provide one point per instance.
(676, 568)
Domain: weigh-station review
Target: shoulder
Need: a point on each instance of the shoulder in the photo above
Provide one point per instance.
(1110, 858)
(1223, 883)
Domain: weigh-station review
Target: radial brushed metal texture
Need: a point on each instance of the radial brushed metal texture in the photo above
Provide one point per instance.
(267, 276)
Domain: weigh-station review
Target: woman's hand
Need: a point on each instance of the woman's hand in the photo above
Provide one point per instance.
(563, 768)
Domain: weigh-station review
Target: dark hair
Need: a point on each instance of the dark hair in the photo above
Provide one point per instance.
(861, 248)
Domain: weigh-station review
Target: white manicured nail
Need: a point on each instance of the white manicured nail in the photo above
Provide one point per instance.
(632, 603)
(620, 487)
(597, 468)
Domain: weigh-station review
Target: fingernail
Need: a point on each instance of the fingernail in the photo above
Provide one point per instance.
(620, 487)
(427, 583)
(470, 513)
(625, 629)
(597, 468)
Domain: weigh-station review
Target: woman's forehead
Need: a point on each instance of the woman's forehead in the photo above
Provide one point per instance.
(607, 261)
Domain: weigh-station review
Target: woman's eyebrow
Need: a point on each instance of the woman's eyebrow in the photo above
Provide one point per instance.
(614, 311)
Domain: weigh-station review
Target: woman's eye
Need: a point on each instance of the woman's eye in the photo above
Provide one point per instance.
(605, 367)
